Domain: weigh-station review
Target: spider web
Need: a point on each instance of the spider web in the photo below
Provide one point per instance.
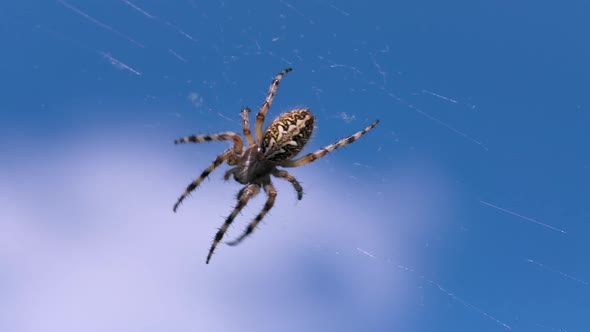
(464, 209)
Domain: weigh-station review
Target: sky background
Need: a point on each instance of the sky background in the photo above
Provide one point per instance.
(465, 209)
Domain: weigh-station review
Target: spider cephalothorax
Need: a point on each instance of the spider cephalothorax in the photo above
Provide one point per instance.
(254, 165)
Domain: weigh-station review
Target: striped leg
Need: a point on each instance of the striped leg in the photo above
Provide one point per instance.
(225, 156)
(246, 126)
(272, 194)
(308, 158)
(266, 105)
(225, 136)
(285, 175)
(244, 196)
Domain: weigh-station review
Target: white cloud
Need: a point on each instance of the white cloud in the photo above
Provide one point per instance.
(97, 248)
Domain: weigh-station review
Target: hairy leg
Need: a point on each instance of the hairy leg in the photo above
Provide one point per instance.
(225, 136)
(272, 194)
(308, 158)
(225, 156)
(245, 195)
(266, 105)
(285, 175)
(246, 126)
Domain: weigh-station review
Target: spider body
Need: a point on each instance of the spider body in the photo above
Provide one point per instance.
(287, 135)
(254, 165)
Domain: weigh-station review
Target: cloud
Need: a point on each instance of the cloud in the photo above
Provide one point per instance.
(96, 247)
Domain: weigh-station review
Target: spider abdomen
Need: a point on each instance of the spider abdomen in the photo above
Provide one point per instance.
(286, 136)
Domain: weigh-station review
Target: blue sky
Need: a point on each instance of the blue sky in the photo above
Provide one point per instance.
(465, 209)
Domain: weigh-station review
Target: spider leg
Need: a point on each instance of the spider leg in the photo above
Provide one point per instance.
(266, 105)
(243, 197)
(246, 126)
(225, 136)
(285, 175)
(308, 158)
(272, 194)
(225, 156)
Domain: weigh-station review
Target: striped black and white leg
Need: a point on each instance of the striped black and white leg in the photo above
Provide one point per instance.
(285, 175)
(246, 126)
(225, 156)
(225, 136)
(267, 102)
(245, 194)
(272, 194)
(308, 158)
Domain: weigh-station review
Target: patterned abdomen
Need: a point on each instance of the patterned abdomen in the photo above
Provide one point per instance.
(287, 135)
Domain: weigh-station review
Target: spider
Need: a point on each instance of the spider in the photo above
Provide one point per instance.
(254, 165)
